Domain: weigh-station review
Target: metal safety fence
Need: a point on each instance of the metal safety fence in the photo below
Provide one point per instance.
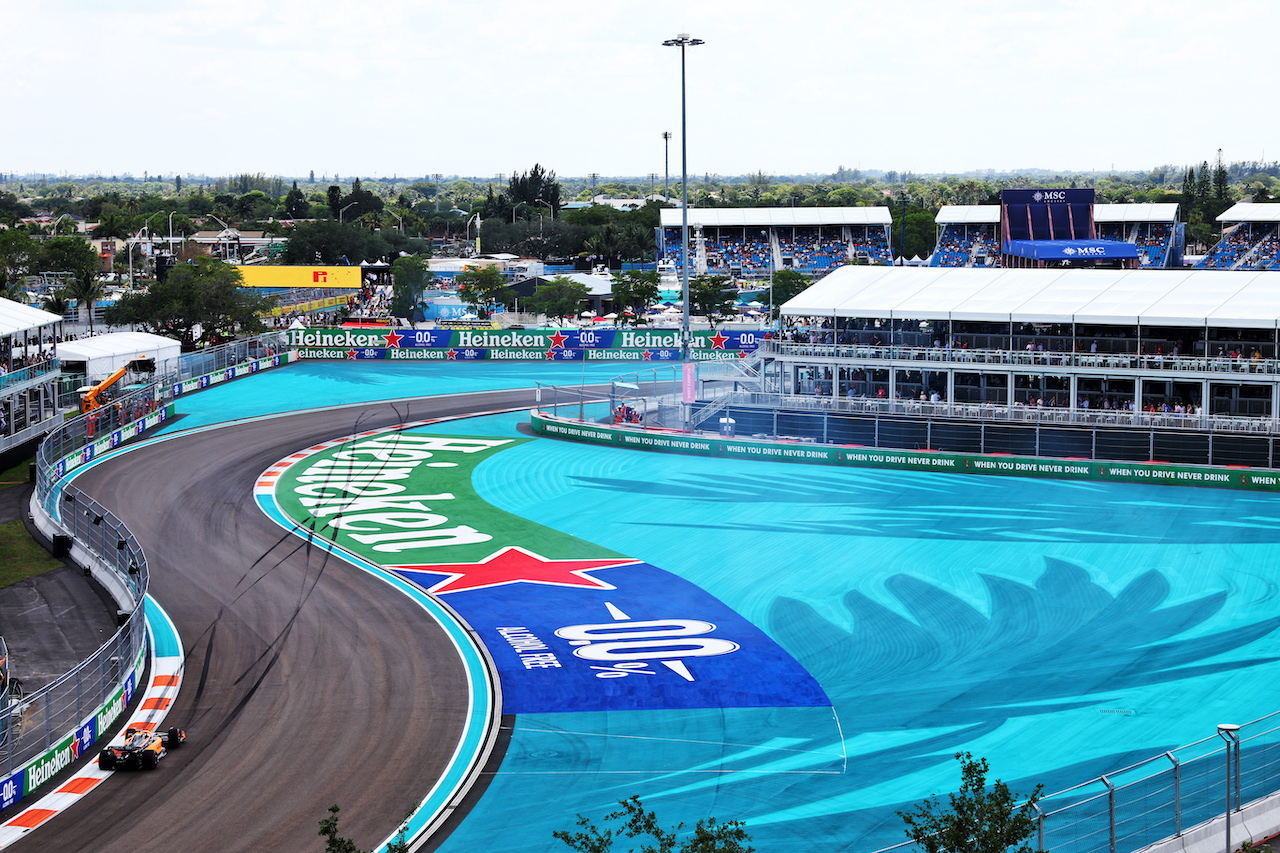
(128, 409)
(38, 722)
(1163, 796)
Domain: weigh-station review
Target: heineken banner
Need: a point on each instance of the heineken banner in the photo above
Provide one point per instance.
(670, 441)
(654, 345)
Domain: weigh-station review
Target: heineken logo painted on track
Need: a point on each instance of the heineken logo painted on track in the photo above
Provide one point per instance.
(571, 626)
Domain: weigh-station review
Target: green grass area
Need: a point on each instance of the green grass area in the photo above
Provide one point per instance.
(20, 556)
(17, 475)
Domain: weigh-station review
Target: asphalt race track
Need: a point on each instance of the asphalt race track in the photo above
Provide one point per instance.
(308, 682)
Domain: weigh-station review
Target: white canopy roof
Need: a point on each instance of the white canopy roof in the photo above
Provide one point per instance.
(131, 344)
(103, 354)
(1248, 211)
(15, 317)
(1141, 212)
(1105, 297)
(763, 217)
(967, 214)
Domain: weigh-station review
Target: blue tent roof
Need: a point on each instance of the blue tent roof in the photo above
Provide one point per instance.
(1071, 250)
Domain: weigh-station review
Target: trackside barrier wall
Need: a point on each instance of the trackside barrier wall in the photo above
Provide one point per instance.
(710, 444)
(1161, 799)
(49, 729)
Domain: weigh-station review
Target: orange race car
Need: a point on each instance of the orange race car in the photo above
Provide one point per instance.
(142, 749)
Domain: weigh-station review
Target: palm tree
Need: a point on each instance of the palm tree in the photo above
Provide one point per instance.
(603, 243)
(636, 241)
(13, 290)
(111, 226)
(56, 303)
(86, 291)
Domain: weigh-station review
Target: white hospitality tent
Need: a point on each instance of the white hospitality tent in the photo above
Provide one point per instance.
(102, 355)
(1188, 298)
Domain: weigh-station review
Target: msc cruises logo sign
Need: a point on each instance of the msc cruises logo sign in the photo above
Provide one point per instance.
(1086, 251)
(1048, 196)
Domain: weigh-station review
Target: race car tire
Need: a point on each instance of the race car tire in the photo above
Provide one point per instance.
(106, 760)
(174, 740)
(147, 760)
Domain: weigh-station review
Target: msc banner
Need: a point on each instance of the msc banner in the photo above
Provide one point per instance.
(519, 345)
(571, 626)
(1047, 196)
(666, 441)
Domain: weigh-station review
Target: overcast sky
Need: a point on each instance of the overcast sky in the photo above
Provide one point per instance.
(414, 87)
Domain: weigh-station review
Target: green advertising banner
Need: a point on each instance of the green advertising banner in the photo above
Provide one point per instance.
(666, 441)
(644, 345)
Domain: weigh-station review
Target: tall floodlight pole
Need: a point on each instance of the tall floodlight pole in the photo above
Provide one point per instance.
(666, 181)
(1230, 733)
(683, 41)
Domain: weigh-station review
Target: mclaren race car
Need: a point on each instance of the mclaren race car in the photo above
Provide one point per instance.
(142, 749)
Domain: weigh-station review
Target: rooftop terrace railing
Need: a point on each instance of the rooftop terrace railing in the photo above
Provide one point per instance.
(1078, 362)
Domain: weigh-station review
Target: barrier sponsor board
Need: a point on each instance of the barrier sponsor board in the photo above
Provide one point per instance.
(307, 306)
(68, 750)
(570, 625)
(667, 441)
(653, 345)
(198, 383)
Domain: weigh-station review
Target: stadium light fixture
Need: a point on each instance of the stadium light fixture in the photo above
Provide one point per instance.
(683, 41)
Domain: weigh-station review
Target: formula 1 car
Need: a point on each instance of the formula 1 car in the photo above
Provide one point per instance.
(142, 749)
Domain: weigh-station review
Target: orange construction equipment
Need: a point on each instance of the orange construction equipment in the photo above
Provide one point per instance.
(91, 399)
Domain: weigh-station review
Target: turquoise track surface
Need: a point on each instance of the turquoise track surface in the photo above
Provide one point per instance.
(1060, 630)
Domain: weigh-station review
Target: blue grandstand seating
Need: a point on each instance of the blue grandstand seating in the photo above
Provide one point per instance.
(805, 248)
(1252, 245)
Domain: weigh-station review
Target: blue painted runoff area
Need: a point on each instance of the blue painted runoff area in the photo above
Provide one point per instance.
(1060, 630)
(164, 635)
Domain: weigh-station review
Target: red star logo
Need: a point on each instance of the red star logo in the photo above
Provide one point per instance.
(393, 338)
(351, 355)
(742, 353)
(558, 339)
(648, 355)
(516, 565)
(717, 341)
(551, 354)
(451, 354)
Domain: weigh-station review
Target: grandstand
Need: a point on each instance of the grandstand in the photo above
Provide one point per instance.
(970, 235)
(1249, 239)
(1153, 228)
(752, 242)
